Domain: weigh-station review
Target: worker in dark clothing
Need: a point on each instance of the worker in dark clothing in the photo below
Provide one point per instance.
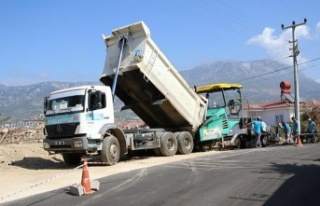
(295, 130)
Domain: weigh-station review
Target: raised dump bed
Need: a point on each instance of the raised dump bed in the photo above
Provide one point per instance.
(148, 83)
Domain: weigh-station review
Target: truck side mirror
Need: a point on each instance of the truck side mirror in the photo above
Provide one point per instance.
(45, 105)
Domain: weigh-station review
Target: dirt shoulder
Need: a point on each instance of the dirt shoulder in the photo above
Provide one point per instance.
(27, 169)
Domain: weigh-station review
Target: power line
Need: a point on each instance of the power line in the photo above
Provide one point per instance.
(200, 15)
(211, 9)
(224, 14)
(292, 9)
(242, 14)
(275, 71)
(260, 75)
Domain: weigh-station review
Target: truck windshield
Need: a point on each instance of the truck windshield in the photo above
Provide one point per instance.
(70, 103)
(229, 99)
(215, 100)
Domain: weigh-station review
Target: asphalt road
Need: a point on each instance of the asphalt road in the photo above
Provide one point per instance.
(282, 175)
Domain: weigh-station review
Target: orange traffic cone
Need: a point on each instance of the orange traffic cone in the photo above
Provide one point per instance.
(86, 187)
(299, 143)
(85, 180)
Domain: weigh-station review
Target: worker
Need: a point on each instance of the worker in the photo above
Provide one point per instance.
(287, 131)
(312, 129)
(257, 128)
(295, 129)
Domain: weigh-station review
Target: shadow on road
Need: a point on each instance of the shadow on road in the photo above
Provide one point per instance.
(300, 189)
(37, 163)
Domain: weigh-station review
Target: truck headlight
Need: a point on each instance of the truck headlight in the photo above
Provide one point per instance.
(77, 144)
(46, 145)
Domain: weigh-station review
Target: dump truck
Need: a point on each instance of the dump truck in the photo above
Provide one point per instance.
(80, 120)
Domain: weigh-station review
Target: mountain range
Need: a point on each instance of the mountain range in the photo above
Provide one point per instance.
(260, 79)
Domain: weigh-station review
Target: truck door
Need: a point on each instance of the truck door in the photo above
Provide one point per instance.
(95, 112)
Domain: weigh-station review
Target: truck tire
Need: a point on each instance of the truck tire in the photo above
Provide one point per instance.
(308, 140)
(169, 144)
(185, 143)
(264, 140)
(238, 143)
(71, 158)
(110, 153)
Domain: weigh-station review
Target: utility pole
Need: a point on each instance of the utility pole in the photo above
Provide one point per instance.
(295, 53)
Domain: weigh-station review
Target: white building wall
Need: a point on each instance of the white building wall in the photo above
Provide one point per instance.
(269, 115)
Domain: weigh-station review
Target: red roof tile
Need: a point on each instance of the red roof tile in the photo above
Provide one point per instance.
(281, 104)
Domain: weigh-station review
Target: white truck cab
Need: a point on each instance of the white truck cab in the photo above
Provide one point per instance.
(73, 119)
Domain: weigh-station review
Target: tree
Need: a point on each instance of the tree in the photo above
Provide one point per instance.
(312, 113)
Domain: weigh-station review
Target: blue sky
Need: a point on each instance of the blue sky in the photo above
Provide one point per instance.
(60, 40)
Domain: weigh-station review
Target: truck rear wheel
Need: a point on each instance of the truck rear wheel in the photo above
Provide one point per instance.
(169, 144)
(71, 158)
(185, 143)
(110, 153)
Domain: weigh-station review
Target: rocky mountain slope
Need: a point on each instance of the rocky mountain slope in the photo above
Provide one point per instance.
(260, 79)
(23, 102)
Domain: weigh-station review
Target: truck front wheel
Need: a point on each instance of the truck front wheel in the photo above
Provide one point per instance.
(71, 158)
(169, 144)
(237, 143)
(110, 153)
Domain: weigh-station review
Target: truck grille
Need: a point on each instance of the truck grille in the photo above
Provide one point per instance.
(61, 130)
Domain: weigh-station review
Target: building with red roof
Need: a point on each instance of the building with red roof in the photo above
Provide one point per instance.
(276, 111)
